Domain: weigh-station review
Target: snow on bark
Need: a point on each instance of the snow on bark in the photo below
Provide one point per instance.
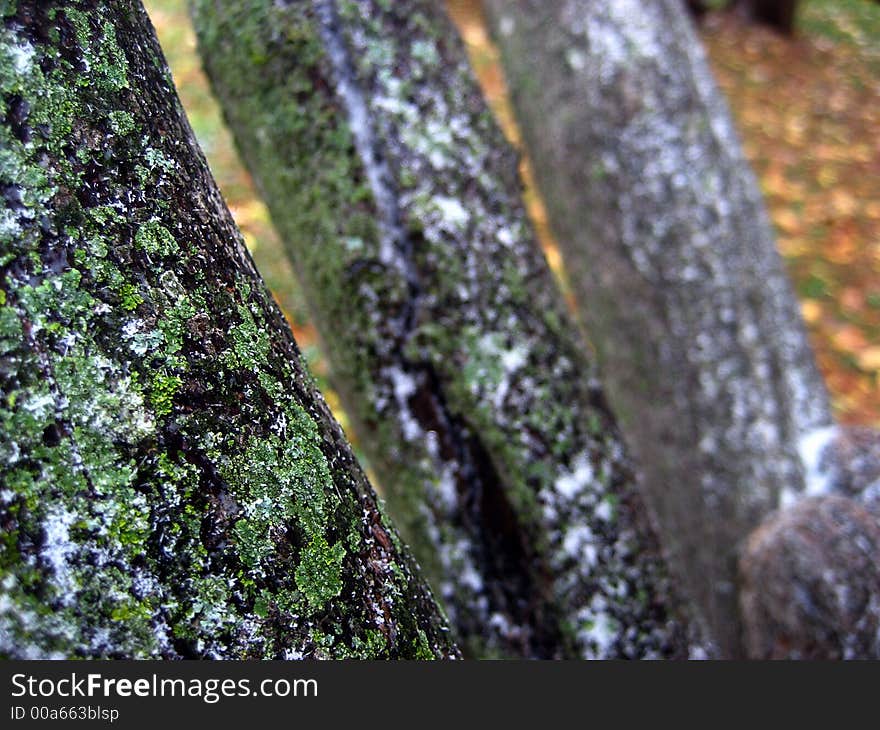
(399, 203)
(173, 485)
(672, 258)
(845, 460)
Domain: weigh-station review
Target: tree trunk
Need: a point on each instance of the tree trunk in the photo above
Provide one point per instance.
(672, 258)
(399, 203)
(173, 484)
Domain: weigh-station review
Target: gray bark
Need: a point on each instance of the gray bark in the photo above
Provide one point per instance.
(672, 258)
(173, 485)
(399, 203)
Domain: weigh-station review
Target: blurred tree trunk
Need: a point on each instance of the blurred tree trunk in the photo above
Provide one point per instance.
(673, 261)
(399, 203)
(173, 484)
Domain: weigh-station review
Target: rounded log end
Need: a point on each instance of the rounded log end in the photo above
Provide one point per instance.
(810, 583)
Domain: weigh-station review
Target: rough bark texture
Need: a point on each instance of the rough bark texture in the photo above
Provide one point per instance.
(172, 483)
(672, 258)
(400, 205)
(811, 583)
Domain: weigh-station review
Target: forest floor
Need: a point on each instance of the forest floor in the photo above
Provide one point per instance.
(808, 111)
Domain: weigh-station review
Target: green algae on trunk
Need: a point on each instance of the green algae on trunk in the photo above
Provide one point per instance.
(399, 203)
(173, 484)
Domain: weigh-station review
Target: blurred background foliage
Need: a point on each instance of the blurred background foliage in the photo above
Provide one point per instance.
(808, 111)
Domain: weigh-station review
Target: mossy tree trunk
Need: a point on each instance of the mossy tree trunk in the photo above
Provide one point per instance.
(671, 255)
(399, 202)
(672, 258)
(173, 485)
(669, 249)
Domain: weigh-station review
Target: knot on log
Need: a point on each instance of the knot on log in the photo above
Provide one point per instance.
(810, 582)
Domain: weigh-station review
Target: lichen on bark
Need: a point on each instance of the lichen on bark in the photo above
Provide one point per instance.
(399, 203)
(173, 484)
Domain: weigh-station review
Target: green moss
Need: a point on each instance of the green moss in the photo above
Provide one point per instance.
(250, 343)
(173, 324)
(106, 61)
(137, 522)
(162, 392)
(131, 300)
(373, 645)
(466, 306)
(318, 574)
(121, 123)
(10, 329)
(422, 647)
(155, 239)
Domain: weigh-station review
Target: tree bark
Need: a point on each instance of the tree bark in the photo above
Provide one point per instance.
(673, 261)
(399, 203)
(173, 484)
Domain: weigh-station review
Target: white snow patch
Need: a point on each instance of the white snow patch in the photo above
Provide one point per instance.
(58, 549)
(811, 448)
(470, 578)
(505, 237)
(21, 57)
(447, 490)
(453, 212)
(871, 493)
(41, 405)
(570, 483)
(600, 630)
(9, 226)
(579, 544)
(575, 59)
(512, 360)
(404, 385)
(500, 623)
(604, 511)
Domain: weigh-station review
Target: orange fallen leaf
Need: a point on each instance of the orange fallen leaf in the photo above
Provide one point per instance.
(869, 358)
(811, 310)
